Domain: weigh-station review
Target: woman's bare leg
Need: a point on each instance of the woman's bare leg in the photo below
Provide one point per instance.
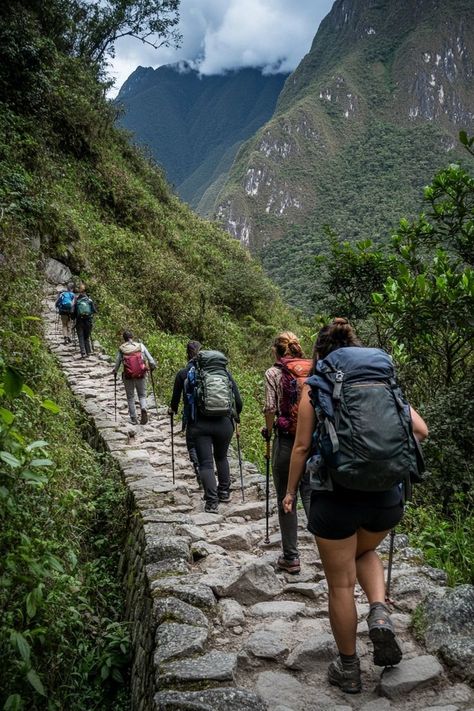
(370, 573)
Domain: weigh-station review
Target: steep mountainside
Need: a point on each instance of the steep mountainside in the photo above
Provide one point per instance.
(368, 116)
(194, 124)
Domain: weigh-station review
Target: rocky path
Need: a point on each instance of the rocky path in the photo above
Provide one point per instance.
(232, 632)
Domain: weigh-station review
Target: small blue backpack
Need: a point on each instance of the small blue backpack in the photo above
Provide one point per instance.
(66, 302)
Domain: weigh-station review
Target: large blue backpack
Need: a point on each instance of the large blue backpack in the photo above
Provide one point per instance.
(364, 438)
(65, 302)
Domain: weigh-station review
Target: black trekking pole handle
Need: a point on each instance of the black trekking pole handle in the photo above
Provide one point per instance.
(267, 492)
(172, 445)
(237, 434)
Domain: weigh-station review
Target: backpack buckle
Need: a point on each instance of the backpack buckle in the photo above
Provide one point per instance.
(336, 393)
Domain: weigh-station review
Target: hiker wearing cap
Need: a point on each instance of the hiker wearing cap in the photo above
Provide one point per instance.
(135, 359)
(359, 474)
(192, 349)
(83, 311)
(65, 307)
(283, 383)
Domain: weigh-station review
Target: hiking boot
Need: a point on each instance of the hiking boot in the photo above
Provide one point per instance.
(345, 676)
(211, 507)
(387, 651)
(134, 420)
(144, 417)
(224, 496)
(291, 566)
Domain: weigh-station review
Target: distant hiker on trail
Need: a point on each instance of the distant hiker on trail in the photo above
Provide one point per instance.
(65, 306)
(351, 412)
(213, 403)
(132, 355)
(84, 309)
(283, 383)
(192, 349)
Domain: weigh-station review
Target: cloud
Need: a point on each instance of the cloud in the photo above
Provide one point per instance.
(229, 34)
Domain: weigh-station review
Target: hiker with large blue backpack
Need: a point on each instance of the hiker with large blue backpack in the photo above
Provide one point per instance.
(283, 383)
(83, 312)
(65, 307)
(358, 438)
(213, 407)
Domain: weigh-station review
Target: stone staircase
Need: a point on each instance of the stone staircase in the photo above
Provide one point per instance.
(229, 632)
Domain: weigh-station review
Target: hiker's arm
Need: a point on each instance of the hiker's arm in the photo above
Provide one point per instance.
(420, 428)
(301, 447)
(118, 361)
(176, 397)
(238, 400)
(149, 358)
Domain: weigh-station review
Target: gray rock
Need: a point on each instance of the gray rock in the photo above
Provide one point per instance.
(206, 519)
(377, 705)
(254, 510)
(232, 539)
(254, 582)
(161, 548)
(312, 650)
(209, 700)
(231, 612)
(315, 591)
(178, 640)
(202, 549)
(410, 674)
(286, 609)
(441, 708)
(168, 566)
(278, 689)
(57, 272)
(458, 653)
(449, 613)
(268, 645)
(459, 693)
(213, 666)
(174, 610)
(193, 593)
(410, 588)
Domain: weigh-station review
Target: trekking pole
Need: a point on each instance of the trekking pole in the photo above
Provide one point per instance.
(115, 396)
(172, 446)
(267, 491)
(237, 434)
(390, 563)
(153, 388)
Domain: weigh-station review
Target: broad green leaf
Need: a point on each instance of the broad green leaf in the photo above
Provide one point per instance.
(6, 416)
(41, 463)
(35, 682)
(13, 703)
(26, 390)
(9, 459)
(22, 645)
(463, 138)
(33, 477)
(31, 604)
(12, 381)
(51, 406)
(35, 445)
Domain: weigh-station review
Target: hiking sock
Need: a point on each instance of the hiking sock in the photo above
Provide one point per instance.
(348, 660)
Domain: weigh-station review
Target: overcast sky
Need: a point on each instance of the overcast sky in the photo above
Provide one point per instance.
(228, 34)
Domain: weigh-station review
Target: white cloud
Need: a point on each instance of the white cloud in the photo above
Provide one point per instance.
(229, 34)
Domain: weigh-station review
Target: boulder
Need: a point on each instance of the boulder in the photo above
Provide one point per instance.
(57, 272)
(410, 674)
(267, 645)
(253, 583)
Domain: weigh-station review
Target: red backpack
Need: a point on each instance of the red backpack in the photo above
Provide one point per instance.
(133, 365)
(294, 372)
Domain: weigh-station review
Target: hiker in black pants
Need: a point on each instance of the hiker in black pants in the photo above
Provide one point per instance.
(192, 349)
(84, 309)
(212, 433)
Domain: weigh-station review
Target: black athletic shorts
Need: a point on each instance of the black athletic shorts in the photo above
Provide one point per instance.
(336, 516)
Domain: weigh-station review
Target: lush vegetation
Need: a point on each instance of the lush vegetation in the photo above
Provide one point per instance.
(71, 187)
(416, 298)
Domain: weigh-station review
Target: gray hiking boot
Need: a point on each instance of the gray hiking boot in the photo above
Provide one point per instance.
(387, 651)
(346, 677)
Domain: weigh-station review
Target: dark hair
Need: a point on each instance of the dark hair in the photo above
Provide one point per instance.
(127, 336)
(338, 334)
(192, 349)
(287, 344)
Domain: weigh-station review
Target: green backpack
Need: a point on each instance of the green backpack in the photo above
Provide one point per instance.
(84, 307)
(209, 386)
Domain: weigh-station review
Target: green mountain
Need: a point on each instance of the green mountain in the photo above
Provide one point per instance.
(194, 124)
(372, 111)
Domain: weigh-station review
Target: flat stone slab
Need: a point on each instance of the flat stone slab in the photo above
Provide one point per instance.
(192, 593)
(232, 539)
(253, 583)
(178, 640)
(314, 591)
(213, 666)
(267, 645)
(315, 649)
(161, 548)
(209, 700)
(280, 690)
(206, 519)
(410, 674)
(172, 609)
(254, 510)
(285, 608)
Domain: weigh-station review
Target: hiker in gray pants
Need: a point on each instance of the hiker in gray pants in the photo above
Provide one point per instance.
(132, 355)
